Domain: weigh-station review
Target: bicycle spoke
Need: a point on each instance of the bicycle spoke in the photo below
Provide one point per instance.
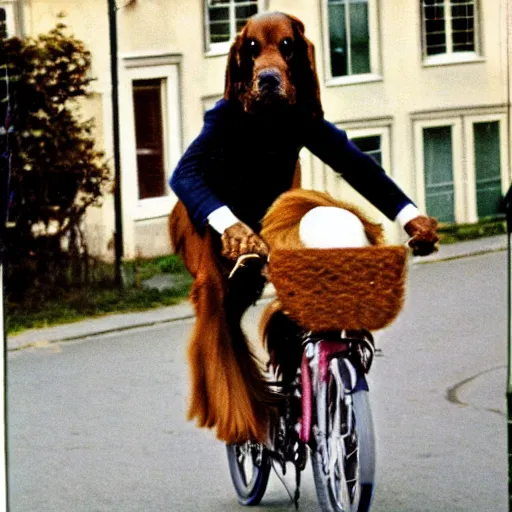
(338, 443)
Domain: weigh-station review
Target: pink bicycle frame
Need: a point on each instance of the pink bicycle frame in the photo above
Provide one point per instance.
(324, 349)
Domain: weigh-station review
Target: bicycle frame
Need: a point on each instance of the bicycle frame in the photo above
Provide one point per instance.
(331, 371)
(315, 362)
(323, 406)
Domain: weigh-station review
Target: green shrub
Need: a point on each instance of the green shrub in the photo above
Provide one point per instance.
(461, 232)
(56, 172)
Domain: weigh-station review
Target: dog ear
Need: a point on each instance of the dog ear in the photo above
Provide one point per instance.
(233, 82)
(303, 71)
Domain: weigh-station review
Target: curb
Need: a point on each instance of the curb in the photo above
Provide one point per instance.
(419, 260)
(13, 346)
(38, 338)
(99, 326)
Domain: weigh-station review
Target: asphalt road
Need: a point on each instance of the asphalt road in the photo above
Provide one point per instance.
(99, 424)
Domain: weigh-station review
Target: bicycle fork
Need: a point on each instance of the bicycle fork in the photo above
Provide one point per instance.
(317, 360)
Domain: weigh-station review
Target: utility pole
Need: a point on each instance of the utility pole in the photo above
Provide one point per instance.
(5, 171)
(118, 235)
(508, 211)
(508, 207)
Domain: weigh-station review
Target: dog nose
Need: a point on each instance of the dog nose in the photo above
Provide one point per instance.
(269, 80)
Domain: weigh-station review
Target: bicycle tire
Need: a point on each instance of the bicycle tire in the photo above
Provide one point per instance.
(249, 491)
(336, 491)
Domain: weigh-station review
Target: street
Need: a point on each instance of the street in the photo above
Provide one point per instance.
(99, 424)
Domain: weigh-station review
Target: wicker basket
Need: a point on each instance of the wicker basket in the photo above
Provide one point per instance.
(335, 289)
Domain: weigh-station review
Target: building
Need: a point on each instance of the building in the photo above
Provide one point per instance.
(423, 85)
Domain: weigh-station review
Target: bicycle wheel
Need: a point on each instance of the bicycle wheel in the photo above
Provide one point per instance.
(344, 458)
(249, 466)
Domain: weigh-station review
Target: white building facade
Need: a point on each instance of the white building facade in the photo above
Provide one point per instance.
(422, 85)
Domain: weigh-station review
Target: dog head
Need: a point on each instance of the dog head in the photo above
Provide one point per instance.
(271, 67)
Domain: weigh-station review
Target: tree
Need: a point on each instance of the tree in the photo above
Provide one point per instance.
(56, 171)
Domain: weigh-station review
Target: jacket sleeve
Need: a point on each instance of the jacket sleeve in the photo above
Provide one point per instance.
(188, 179)
(334, 148)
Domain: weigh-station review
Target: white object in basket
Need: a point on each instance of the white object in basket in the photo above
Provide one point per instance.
(330, 227)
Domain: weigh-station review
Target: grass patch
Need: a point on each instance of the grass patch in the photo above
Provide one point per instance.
(462, 232)
(44, 308)
(139, 270)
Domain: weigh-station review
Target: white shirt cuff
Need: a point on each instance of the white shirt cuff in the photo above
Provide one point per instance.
(221, 219)
(406, 214)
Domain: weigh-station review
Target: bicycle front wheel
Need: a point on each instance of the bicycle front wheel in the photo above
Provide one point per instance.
(249, 466)
(344, 458)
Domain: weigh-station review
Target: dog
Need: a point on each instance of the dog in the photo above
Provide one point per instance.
(246, 156)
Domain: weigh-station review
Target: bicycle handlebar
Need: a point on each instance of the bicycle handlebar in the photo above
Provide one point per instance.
(242, 260)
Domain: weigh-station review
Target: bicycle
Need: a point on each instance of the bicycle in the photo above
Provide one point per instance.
(325, 410)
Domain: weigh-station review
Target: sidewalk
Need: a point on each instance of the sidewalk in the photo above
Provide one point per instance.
(119, 322)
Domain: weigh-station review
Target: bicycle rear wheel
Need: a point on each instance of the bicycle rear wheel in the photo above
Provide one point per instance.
(344, 459)
(249, 466)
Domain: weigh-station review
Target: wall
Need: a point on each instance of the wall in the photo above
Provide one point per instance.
(403, 93)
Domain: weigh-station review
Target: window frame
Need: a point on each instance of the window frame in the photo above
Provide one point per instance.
(10, 9)
(326, 179)
(451, 57)
(167, 70)
(464, 172)
(215, 49)
(459, 177)
(162, 92)
(375, 74)
(385, 142)
(469, 121)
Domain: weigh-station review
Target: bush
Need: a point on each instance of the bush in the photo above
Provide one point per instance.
(56, 172)
(461, 232)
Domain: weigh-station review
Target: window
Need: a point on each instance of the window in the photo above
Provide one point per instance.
(149, 133)
(450, 29)
(150, 126)
(438, 172)
(441, 188)
(462, 166)
(224, 19)
(487, 168)
(487, 163)
(370, 145)
(7, 23)
(349, 39)
(372, 140)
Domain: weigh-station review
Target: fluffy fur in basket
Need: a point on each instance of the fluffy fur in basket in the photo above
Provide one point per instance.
(353, 288)
(281, 223)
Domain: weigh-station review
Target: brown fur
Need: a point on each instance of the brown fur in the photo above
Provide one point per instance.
(281, 223)
(298, 80)
(227, 390)
(281, 231)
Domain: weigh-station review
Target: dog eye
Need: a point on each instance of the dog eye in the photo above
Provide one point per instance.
(286, 47)
(254, 48)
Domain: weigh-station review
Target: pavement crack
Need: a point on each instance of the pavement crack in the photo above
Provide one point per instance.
(452, 393)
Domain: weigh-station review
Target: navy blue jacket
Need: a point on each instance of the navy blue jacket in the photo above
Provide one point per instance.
(244, 162)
